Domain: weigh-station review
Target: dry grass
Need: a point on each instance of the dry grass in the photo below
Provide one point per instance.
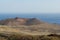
(32, 32)
(16, 36)
(41, 29)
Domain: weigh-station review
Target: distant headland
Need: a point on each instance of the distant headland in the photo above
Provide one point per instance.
(20, 21)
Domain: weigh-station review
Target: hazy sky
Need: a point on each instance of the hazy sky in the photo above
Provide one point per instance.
(29, 6)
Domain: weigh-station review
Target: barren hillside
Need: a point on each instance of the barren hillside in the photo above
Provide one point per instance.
(29, 26)
(28, 29)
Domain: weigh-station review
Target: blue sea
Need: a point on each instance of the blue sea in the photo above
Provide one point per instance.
(50, 18)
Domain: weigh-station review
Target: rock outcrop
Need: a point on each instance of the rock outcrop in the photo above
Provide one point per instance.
(20, 21)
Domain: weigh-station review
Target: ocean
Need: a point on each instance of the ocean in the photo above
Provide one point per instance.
(50, 18)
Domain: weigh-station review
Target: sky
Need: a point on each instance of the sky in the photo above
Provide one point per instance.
(29, 6)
